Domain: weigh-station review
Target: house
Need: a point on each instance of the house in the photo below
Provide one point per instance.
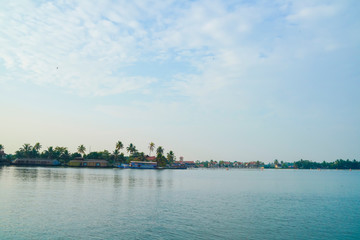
(188, 164)
(36, 162)
(213, 164)
(178, 164)
(238, 164)
(151, 158)
(227, 164)
(79, 162)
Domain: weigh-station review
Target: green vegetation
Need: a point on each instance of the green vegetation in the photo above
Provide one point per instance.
(160, 159)
(116, 157)
(170, 157)
(338, 164)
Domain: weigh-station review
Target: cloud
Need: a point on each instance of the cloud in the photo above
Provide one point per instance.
(314, 13)
(88, 47)
(72, 46)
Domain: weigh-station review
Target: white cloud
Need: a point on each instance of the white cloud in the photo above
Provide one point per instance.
(70, 46)
(87, 46)
(314, 13)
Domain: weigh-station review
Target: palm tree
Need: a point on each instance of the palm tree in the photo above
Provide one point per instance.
(119, 146)
(81, 149)
(50, 152)
(37, 147)
(151, 147)
(61, 153)
(26, 149)
(105, 155)
(141, 156)
(160, 150)
(131, 148)
(116, 154)
(170, 157)
(160, 159)
(276, 162)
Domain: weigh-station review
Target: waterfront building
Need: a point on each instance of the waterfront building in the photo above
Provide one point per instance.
(188, 164)
(151, 158)
(36, 162)
(79, 162)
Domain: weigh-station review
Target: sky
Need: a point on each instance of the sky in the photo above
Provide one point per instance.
(222, 80)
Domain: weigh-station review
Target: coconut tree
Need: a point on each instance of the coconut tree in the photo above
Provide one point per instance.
(62, 154)
(36, 149)
(160, 159)
(170, 157)
(151, 147)
(119, 146)
(160, 150)
(141, 156)
(131, 148)
(116, 153)
(50, 152)
(81, 149)
(26, 149)
(105, 155)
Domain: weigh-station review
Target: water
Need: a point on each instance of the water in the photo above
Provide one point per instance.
(73, 203)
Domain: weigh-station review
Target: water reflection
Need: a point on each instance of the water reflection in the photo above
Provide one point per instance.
(141, 178)
(118, 178)
(25, 174)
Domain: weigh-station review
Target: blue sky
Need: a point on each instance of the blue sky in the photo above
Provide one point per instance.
(222, 80)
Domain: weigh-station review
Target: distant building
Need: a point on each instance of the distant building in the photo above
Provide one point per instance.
(188, 164)
(36, 162)
(238, 164)
(78, 162)
(151, 158)
(227, 164)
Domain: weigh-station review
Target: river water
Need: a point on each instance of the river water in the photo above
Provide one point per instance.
(79, 203)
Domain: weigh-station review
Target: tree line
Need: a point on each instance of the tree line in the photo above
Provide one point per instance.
(338, 164)
(116, 157)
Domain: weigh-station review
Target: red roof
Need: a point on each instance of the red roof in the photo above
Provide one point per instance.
(151, 158)
(188, 162)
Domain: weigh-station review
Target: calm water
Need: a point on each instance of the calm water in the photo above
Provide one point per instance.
(68, 203)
